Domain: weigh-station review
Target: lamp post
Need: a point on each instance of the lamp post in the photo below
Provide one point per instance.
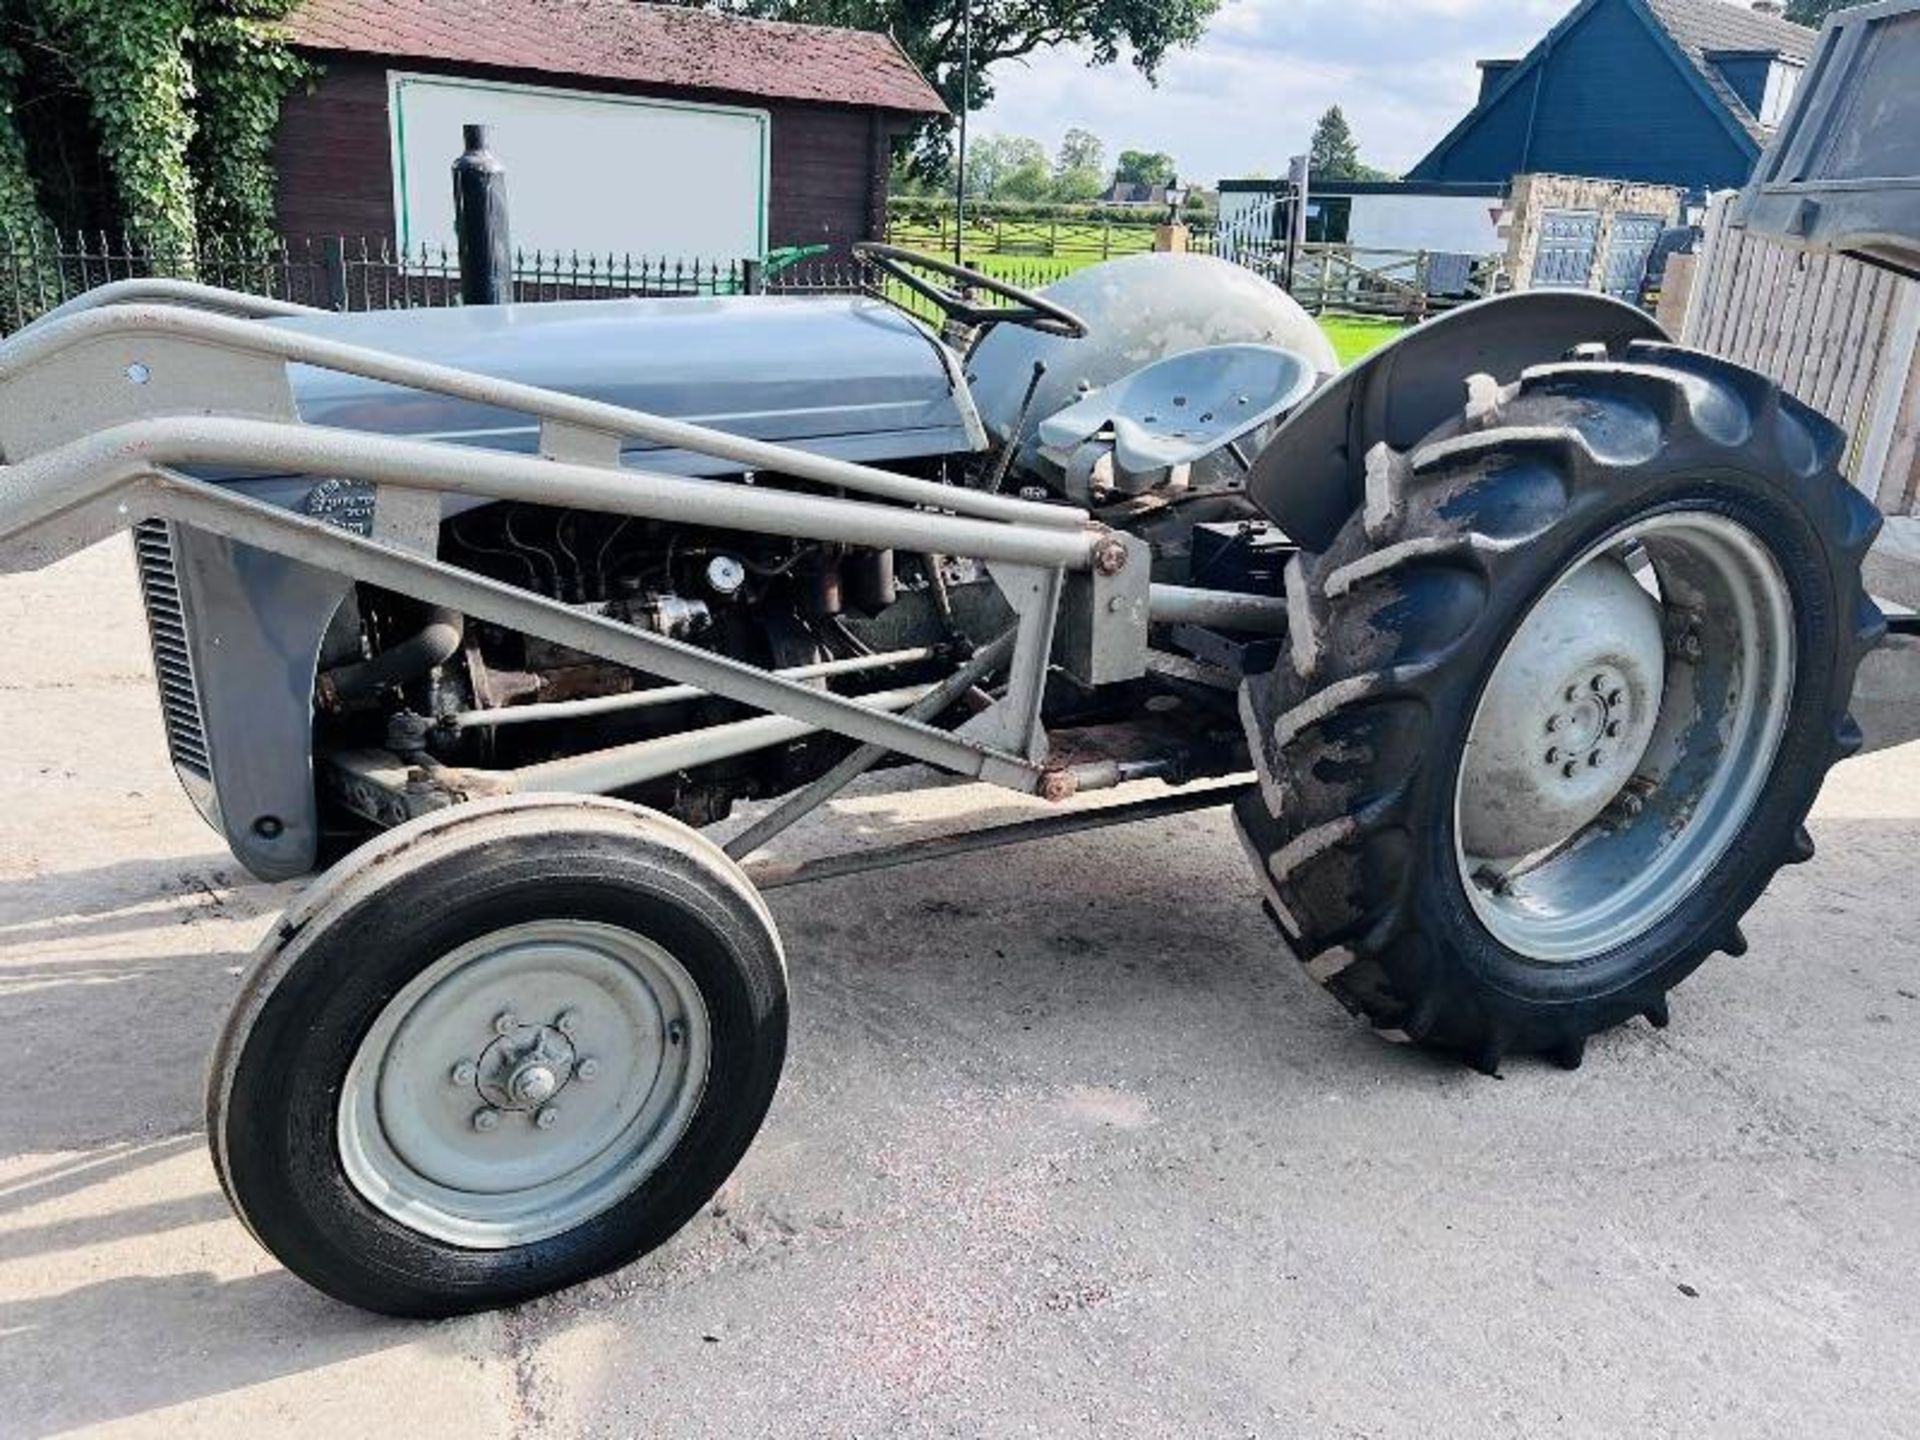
(1176, 200)
(966, 105)
(1173, 237)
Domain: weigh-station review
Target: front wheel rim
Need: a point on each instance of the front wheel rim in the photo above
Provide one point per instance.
(1687, 744)
(524, 1083)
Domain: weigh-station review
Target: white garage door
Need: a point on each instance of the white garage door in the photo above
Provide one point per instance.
(587, 173)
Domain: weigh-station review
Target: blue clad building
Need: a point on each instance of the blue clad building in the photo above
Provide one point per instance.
(1674, 92)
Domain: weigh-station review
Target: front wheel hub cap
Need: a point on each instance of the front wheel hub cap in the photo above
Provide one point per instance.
(1566, 716)
(526, 1067)
(516, 1148)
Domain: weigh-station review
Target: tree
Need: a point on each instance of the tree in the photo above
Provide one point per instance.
(1081, 150)
(906, 183)
(1815, 12)
(1030, 182)
(1007, 167)
(1334, 154)
(1145, 31)
(1080, 169)
(1145, 167)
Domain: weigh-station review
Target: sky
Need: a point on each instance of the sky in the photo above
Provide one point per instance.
(1244, 99)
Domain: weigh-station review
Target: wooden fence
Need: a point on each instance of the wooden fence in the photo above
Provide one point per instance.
(1841, 335)
(1077, 239)
(1401, 284)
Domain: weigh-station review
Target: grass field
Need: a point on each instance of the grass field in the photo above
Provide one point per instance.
(1357, 336)
(1028, 270)
(1354, 336)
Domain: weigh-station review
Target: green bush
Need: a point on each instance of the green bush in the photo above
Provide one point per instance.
(184, 96)
(19, 204)
(245, 69)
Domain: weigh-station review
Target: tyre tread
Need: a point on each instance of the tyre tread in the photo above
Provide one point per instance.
(1332, 780)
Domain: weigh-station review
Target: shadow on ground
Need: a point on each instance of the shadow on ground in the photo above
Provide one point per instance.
(1046, 1101)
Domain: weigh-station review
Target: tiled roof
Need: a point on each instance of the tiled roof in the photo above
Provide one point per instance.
(1705, 27)
(615, 40)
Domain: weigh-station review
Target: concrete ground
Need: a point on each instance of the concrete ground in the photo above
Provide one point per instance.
(1066, 1146)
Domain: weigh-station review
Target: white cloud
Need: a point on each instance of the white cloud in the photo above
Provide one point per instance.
(1248, 95)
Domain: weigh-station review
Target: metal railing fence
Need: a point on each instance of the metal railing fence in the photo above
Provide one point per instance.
(40, 271)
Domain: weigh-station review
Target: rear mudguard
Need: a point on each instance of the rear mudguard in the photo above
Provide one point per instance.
(1312, 475)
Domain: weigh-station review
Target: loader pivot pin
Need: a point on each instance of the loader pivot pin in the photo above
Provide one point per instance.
(1110, 557)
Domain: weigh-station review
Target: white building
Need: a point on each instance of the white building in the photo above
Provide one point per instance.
(1443, 219)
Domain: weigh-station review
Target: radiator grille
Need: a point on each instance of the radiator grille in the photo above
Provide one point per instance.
(172, 660)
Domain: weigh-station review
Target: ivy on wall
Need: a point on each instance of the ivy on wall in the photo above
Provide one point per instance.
(129, 62)
(245, 69)
(19, 204)
(184, 96)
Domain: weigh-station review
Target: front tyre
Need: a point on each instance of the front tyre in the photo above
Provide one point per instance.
(1559, 700)
(499, 1051)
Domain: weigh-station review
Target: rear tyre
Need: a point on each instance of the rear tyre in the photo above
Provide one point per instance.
(499, 1051)
(1558, 701)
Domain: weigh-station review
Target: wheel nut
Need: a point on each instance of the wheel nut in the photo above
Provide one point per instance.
(1556, 723)
(1553, 756)
(486, 1119)
(1615, 730)
(676, 1032)
(504, 1023)
(568, 1022)
(465, 1073)
(587, 1071)
(1614, 697)
(1596, 759)
(1599, 683)
(548, 1118)
(1570, 769)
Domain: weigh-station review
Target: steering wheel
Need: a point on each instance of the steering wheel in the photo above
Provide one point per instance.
(1025, 308)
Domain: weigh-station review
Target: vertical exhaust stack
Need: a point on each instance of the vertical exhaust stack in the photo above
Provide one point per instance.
(480, 222)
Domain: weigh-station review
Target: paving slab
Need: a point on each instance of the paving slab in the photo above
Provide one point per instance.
(1066, 1146)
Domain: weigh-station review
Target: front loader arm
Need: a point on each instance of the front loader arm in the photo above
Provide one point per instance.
(115, 417)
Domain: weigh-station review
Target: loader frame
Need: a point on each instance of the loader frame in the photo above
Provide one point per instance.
(115, 408)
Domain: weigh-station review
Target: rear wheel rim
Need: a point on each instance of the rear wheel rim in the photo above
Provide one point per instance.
(1695, 728)
(524, 1083)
